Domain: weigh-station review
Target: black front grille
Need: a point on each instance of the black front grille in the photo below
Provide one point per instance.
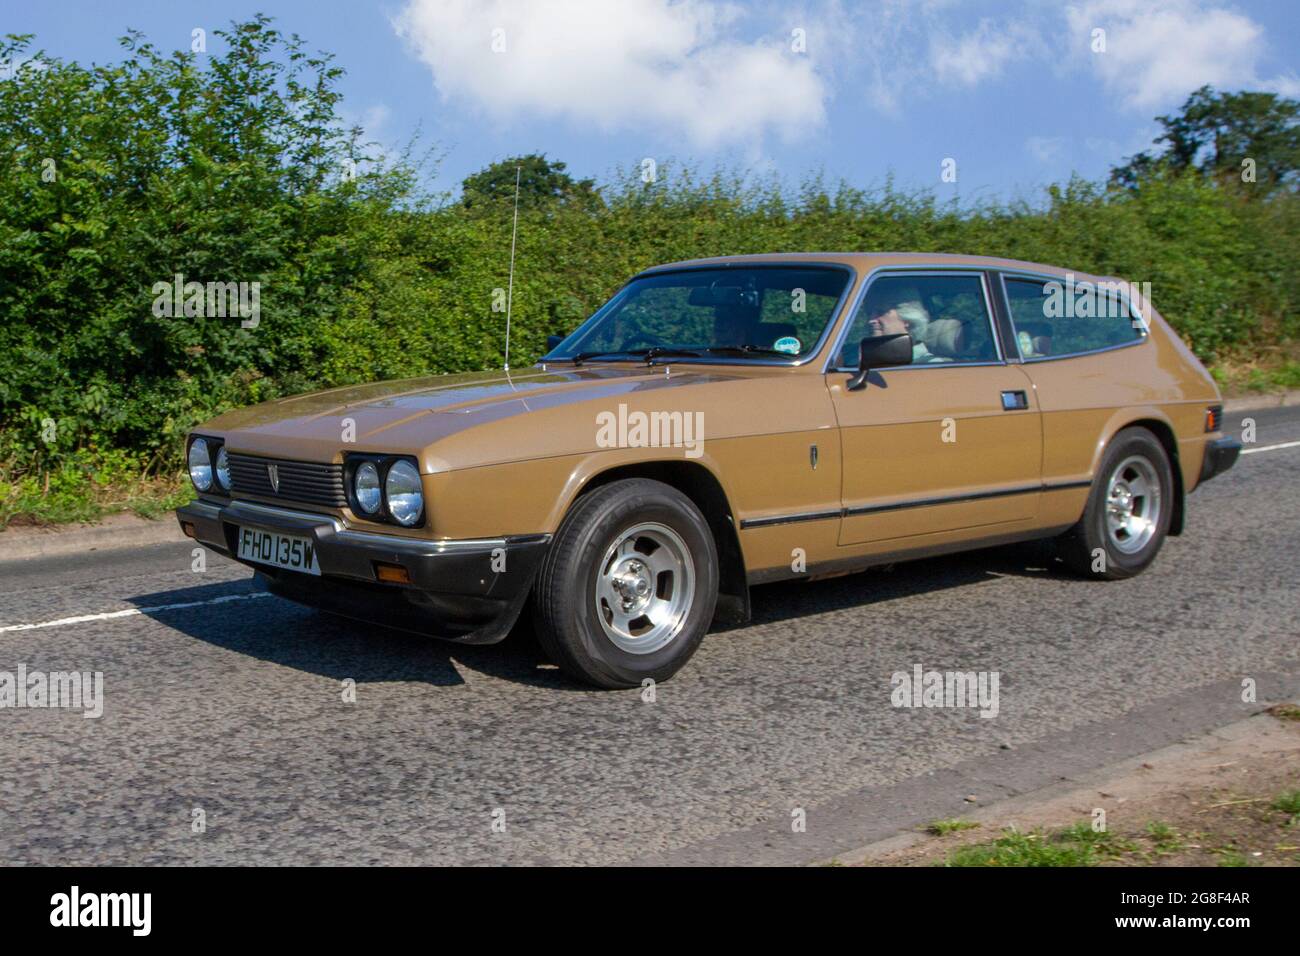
(305, 481)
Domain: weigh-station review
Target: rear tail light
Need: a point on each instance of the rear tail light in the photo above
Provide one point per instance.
(1214, 418)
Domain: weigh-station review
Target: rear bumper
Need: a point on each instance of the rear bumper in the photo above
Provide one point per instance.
(455, 592)
(1220, 455)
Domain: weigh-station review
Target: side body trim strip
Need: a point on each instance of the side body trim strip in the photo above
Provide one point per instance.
(770, 520)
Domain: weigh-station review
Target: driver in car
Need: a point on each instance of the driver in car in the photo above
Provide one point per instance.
(892, 309)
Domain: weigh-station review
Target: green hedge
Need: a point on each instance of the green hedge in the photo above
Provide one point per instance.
(235, 168)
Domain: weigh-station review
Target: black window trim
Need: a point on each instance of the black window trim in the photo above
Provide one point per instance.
(1002, 310)
(1144, 333)
(913, 269)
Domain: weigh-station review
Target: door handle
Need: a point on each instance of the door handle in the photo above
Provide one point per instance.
(1014, 401)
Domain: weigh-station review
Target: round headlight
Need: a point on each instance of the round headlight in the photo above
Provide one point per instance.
(223, 468)
(405, 497)
(365, 485)
(200, 465)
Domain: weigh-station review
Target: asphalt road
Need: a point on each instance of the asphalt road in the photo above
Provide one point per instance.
(236, 707)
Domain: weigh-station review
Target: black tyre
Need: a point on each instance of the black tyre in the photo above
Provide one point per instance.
(627, 589)
(1128, 511)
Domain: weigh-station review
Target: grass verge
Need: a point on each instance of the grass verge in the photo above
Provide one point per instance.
(1078, 845)
(1230, 830)
(1268, 371)
(83, 492)
(944, 827)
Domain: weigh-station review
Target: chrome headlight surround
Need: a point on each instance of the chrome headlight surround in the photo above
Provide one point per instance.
(198, 459)
(367, 488)
(403, 493)
(222, 469)
(208, 465)
(384, 488)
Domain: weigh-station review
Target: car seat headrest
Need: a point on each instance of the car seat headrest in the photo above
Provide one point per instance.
(946, 337)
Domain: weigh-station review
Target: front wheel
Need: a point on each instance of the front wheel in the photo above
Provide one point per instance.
(1128, 510)
(628, 587)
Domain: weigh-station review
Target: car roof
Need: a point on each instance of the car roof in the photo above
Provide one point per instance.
(865, 262)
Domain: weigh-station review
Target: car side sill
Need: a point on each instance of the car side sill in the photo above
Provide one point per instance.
(770, 520)
(850, 565)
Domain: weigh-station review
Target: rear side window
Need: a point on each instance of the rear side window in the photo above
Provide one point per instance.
(946, 315)
(1060, 317)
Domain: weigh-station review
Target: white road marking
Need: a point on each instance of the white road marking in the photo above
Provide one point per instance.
(1279, 445)
(131, 612)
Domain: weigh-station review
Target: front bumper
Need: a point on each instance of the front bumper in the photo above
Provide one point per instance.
(455, 593)
(1220, 455)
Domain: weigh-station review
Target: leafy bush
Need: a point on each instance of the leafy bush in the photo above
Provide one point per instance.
(236, 168)
(116, 178)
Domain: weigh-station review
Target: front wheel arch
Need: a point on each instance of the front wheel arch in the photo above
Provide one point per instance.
(589, 639)
(701, 485)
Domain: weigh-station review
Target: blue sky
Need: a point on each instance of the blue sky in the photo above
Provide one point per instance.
(1013, 91)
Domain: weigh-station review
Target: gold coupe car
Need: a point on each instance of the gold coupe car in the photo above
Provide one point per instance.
(717, 424)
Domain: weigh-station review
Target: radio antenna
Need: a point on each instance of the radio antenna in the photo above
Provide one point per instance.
(510, 288)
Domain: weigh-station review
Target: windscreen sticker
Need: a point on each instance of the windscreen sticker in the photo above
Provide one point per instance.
(787, 343)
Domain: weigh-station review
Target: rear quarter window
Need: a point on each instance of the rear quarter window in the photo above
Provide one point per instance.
(1054, 318)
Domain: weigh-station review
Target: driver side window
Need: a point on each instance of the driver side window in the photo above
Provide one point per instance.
(947, 317)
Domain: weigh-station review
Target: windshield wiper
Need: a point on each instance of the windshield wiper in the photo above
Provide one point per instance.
(665, 351)
(748, 350)
(655, 351)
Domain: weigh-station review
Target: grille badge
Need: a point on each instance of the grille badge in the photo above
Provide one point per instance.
(273, 472)
(306, 482)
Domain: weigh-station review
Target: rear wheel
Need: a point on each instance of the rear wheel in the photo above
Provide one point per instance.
(1128, 510)
(628, 587)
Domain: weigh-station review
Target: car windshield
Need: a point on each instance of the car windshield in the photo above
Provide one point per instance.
(755, 312)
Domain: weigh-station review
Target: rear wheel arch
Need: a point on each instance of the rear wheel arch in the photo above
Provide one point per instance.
(1124, 520)
(698, 483)
(1165, 434)
(1150, 420)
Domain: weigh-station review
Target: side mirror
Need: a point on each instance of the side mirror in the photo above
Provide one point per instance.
(552, 341)
(881, 351)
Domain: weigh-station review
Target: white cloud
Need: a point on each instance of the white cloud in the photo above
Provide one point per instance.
(675, 66)
(1045, 148)
(1288, 86)
(373, 120)
(1159, 51)
(980, 54)
(906, 49)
